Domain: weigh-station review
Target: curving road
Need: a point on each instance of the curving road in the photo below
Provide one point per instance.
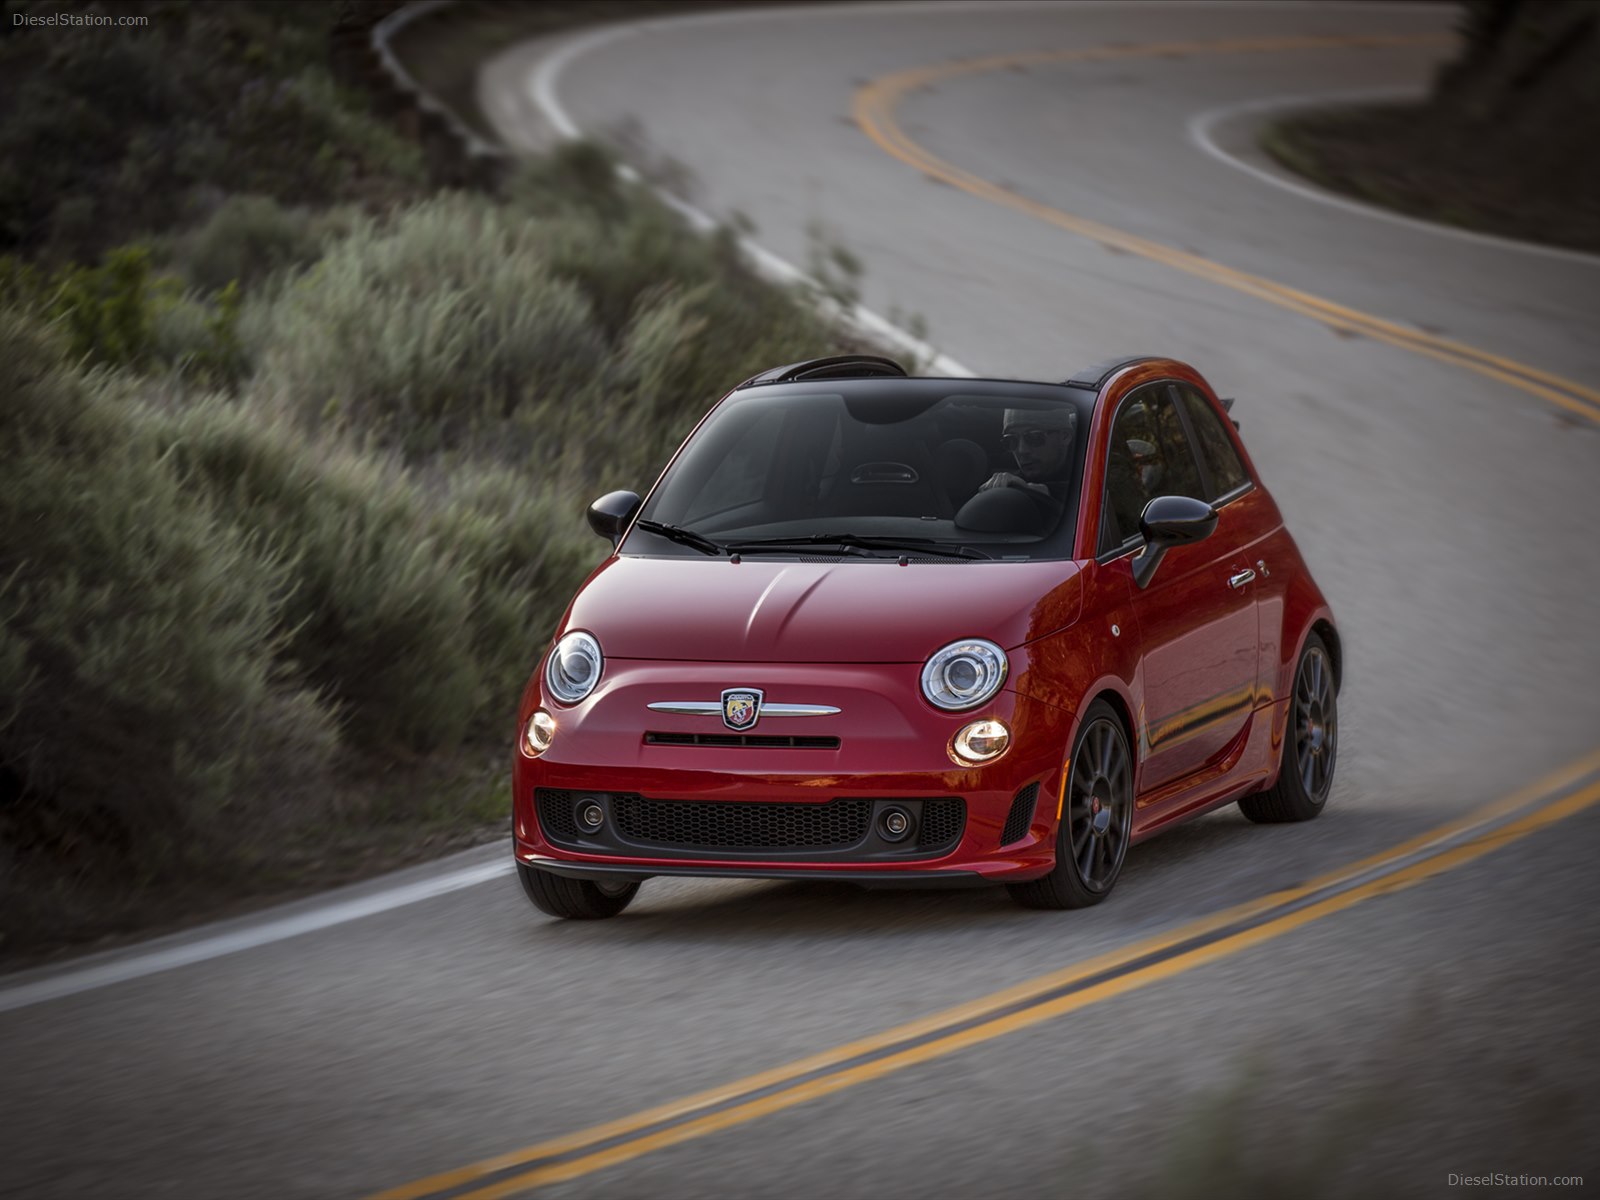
(1030, 180)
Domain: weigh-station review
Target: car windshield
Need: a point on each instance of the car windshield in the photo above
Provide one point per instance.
(932, 469)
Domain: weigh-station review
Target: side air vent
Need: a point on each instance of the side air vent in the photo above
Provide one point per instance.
(839, 366)
(942, 822)
(1020, 818)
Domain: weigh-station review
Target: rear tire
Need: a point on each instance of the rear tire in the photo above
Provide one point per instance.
(576, 899)
(1310, 745)
(1093, 837)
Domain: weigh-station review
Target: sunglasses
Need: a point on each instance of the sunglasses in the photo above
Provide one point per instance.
(1032, 439)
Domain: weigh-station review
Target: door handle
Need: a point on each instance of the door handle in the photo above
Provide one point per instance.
(1242, 578)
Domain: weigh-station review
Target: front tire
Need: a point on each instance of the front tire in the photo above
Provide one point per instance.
(1310, 745)
(1097, 823)
(576, 899)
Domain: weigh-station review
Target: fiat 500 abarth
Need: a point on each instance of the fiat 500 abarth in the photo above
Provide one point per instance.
(898, 630)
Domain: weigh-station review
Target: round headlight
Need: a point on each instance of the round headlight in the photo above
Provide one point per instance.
(574, 668)
(964, 674)
(540, 733)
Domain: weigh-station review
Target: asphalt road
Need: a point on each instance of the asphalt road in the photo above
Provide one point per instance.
(1446, 1027)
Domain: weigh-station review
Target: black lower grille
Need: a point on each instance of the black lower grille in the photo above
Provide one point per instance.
(942, 821)
(1020, 818)
(742, 825)
(555, 813)
(754, 740)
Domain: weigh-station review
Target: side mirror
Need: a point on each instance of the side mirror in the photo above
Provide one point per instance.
(609, 515)
(1169, 521)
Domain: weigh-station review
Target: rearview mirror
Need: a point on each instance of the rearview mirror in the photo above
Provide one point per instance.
(609, 515)
(1169, 521)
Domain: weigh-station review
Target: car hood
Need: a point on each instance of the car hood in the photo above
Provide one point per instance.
(763, 610)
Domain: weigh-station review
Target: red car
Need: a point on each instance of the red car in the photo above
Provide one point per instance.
(897, 630)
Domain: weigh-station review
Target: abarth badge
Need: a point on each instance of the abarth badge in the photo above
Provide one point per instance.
(740, 707)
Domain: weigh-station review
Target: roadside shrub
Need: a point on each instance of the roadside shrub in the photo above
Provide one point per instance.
(199, 337)
(422, 333)
(107, 138)
(245, 240)
(141, 689)
(108, 311)
(377, 610)
(576, 178)
(529, 546)
(314, 140)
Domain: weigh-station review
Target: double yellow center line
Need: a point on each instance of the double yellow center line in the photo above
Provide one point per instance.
(874, 111)
(1569, 790)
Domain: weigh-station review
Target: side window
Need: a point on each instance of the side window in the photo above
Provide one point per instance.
(1216, 447)
(1149, 456)
(1132, 438)
(1178, 471)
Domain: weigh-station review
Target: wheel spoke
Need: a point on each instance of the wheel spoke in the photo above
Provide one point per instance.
(1106, 745)
(1108, 858)
(1119, 775)
(1308, 768)
(1085, 859)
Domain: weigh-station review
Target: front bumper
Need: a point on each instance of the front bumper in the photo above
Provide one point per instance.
(891, 751)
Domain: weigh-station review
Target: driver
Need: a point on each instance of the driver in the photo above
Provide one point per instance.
(1041, 442)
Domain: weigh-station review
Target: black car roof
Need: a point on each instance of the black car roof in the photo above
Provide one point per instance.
(871, 366)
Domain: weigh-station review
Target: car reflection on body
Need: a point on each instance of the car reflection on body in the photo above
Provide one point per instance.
(897, 630)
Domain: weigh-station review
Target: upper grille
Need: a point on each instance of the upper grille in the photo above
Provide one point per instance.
(764, 740)
(942, 821)
(737, 824)
(1020, 818)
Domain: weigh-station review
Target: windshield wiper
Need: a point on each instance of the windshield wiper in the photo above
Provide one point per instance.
(908, 545)
(677, 533)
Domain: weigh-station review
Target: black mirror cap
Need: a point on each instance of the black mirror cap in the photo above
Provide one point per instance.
(1177, 520)
(1169, 521)
(609, 515)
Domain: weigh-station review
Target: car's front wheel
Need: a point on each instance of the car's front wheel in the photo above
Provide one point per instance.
(576, 899)
(1310, 744)
(1097, 820)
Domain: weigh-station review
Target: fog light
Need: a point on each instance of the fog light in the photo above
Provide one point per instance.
(980, 742)
(540, 733)
(895, 824)
(591, 816)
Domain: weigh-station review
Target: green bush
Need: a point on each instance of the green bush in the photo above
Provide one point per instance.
(142, 692)
(199, 336)
(107, 311)
(428, 331)
(417, 607)
(109, 138)
(245, 240)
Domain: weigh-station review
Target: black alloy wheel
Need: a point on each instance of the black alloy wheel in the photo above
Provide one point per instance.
(1310, 745)
(1097, 824)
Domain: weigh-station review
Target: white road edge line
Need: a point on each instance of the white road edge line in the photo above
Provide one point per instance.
(102, 971)
(1201, 134)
